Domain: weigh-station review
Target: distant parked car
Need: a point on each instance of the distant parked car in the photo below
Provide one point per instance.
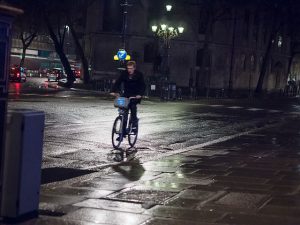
(55, 74)
(76, 72)
(17, 74)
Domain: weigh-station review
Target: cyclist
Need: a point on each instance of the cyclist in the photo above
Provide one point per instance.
(134, 88)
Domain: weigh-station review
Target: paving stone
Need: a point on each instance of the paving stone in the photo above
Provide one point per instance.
(208, 188)
(182, 203)
(51, 221)
(242, 187)
(103, 185)
(251, 219)
(245, 172)
(204, 152)
(111, 205)
(163, 185)
(198, 195)
(60, 199)
(242, 200)
(185, 181)
(162, 169)
(250, 180)
(211, 172)
(161, 221)
(282, 211)
(186, 214)
(107, 217)
(82, 192)
(291, 201)
(142, 195)
(284, 189)
(52, 208)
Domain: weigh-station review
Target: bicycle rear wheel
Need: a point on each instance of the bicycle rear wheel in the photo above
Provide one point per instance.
(133, 134)
(117, 132)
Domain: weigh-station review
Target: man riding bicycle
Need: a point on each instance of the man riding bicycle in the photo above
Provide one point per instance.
(134, 88)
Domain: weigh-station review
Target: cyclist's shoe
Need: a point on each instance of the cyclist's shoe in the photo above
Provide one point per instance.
(119, 138)
(134, 129)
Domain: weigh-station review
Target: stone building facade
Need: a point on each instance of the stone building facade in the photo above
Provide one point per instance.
(230, 54)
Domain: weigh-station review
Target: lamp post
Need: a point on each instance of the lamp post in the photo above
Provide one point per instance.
(166, 32)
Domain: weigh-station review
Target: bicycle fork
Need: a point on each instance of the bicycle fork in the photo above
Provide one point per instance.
(124, 119)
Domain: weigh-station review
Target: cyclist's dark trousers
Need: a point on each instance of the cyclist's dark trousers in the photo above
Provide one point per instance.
(133, 110)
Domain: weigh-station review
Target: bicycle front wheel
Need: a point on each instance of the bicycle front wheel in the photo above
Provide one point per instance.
(117, 132)
(132, 134)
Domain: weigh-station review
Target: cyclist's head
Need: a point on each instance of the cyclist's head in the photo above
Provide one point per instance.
(131, 65)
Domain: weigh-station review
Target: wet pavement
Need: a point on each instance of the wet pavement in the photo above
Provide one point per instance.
(211, 162)
(249, 180)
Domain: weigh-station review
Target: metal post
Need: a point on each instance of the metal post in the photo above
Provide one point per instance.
(125, 20)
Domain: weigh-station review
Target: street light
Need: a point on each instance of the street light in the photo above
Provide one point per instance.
(166, 32)
(169, 8)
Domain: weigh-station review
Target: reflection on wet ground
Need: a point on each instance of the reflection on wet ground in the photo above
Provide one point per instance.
(252, 179)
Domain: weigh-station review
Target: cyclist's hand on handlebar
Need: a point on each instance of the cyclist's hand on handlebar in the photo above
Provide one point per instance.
(114, 94)
(136, 97)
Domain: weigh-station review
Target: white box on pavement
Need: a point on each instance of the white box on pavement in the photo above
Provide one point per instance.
(22, 163)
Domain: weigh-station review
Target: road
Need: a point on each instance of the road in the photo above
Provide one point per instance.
(78, 123)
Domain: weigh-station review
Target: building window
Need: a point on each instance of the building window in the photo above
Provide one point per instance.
(203, 22)
(149, 52)
(261, 59)
(280, 41)
(112, 16)
(256, 27)
(253, 63)
(199, 57)
(246, 24)
(243, 62)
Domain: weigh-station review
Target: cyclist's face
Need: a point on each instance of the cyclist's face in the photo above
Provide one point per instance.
(130, 69)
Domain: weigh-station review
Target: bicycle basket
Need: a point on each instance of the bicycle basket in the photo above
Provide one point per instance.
(121, 102)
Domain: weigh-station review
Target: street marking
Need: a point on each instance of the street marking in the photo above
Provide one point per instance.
(235, 107)
(216, 105)
(274, 111)
(255, 109)
(199, 146)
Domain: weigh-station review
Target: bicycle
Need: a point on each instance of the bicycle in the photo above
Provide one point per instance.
(123, 126)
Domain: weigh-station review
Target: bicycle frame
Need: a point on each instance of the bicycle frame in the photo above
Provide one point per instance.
(123, 127)
(125, 114)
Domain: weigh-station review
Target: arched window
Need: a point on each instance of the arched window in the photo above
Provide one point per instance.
(112, 16)
(252, 63)
(243, 62)
(280, 41)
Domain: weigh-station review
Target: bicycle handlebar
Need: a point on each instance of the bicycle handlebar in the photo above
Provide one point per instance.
(118, 95)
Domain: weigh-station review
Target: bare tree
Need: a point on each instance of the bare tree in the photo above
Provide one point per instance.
(75, 18)
(54, 15)
(294, 33)
(27, 26)
(276, 20)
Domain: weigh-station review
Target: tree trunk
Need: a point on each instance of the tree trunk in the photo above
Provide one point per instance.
(264, 66)
(23, 56)
(84, 62)
(59, 50)
(26, 42)
(274, 31)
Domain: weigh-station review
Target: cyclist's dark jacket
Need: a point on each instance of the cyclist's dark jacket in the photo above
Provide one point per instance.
(132, 86)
